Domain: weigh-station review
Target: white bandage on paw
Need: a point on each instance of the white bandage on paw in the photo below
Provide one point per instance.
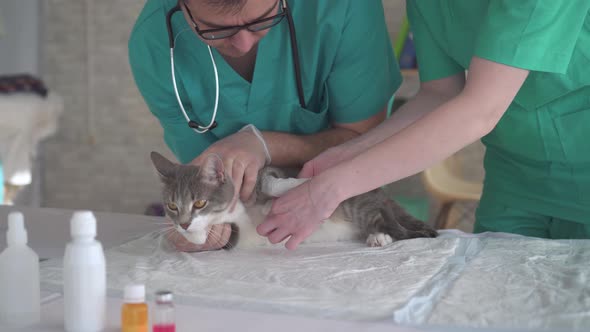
(276, 187)
(198, 237)
(258, 135)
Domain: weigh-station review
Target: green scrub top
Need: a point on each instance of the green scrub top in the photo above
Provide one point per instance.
(348, 70)
(538, 156)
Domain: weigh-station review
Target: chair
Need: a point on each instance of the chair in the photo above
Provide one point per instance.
(453, 181)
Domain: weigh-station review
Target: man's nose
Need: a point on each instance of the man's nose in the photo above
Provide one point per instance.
(244, 40)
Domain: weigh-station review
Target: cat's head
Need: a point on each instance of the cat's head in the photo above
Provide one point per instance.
(194, 197)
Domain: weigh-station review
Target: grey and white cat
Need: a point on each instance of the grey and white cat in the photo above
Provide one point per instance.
(196, 197)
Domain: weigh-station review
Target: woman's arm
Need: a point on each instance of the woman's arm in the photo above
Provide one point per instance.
(431, 95)
(489, 90)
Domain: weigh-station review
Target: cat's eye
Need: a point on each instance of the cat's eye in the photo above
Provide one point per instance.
(200, 204)
(172, 206)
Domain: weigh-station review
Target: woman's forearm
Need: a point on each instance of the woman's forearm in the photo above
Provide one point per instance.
(435, 137)
(407, 114)
(430, 96)
(489, 90)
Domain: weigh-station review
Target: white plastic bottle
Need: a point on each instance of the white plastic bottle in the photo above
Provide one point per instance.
(84, 276)
(20, 294)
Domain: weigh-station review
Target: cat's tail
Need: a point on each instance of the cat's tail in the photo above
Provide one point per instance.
(374, 213)
(394, 214)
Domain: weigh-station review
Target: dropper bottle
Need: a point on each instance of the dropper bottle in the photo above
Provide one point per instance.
(20, 295)
(84, 273)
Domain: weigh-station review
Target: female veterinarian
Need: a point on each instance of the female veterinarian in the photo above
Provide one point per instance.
(526, 95)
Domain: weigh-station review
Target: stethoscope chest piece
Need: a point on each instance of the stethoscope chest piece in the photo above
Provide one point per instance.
(194, 125)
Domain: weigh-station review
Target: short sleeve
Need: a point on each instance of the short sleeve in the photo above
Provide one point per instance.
(149, 59)
(433, 62)
(537, 35)
(365, 73)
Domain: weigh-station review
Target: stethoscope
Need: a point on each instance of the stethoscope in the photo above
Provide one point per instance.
(212, 124)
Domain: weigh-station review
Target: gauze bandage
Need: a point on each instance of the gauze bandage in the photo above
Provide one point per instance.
(276, 187)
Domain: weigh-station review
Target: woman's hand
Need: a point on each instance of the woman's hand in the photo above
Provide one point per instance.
(298, 213)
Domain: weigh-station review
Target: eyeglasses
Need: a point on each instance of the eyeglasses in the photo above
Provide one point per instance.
(226, 32)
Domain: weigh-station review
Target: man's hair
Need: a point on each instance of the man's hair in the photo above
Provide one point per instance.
(224, 6)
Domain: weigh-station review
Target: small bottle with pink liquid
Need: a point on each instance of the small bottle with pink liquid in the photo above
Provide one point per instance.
(163, 316)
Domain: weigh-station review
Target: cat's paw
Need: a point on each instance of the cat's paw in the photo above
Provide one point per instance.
(426, 232)
(429, 232)
(379, 240)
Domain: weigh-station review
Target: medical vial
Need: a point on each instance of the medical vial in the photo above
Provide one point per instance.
(163, 315)
(134, 313)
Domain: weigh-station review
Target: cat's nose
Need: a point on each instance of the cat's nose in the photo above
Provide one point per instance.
(185, 226)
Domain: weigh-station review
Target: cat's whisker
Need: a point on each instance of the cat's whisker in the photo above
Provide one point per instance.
(167, 231)
(165, 228)
(157, 233)
(217, 236)
(229, 245)
(164, 231)
(161, 236)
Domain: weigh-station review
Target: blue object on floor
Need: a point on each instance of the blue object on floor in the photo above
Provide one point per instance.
(407, 59)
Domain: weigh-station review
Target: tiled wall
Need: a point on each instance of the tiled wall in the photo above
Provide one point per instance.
(100, 157)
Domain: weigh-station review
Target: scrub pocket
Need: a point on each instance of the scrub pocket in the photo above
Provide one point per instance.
(574, 132)
(493, 216)
(308, 121)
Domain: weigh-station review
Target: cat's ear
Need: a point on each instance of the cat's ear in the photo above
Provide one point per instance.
(165, 167)
(212, 169)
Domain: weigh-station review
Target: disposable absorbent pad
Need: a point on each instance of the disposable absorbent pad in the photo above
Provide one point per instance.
(489, 280)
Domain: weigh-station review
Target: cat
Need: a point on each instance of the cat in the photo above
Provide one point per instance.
(196, 197)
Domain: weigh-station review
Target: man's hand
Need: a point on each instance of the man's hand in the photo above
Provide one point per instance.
(244, 154)
(218, 237)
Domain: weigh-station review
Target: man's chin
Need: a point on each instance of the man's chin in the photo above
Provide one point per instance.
(233, 53)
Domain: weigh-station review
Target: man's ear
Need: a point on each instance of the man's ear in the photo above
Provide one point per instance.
(165, 167)
(212, 169)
